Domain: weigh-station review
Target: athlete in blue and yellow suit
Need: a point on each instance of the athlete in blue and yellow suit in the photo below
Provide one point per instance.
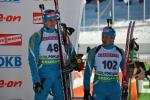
(44, 59)
(105, 59)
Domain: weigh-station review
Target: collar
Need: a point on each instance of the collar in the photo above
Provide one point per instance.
(48, 30)
(109, 46)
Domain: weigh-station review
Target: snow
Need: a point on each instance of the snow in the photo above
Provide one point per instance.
(141, 31)
(92, 35)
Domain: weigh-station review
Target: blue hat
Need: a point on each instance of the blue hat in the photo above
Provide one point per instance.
(50, 15)
(109, 31)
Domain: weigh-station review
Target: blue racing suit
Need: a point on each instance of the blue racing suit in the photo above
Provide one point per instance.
(44, 61)
(105, 60)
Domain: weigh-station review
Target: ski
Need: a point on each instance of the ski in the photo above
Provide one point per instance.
(129, 60)
(65, 76)
(130, 39)
(125, 81)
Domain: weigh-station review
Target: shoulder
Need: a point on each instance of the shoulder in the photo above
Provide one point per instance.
(121, 51)
(35, 35)
(94, 50)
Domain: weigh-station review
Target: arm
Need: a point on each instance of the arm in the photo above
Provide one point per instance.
(87, 75)
(122, 61)
(86, 82)
(32, 58)
(88, 70)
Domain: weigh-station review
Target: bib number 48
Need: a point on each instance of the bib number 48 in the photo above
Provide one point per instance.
(52, 47)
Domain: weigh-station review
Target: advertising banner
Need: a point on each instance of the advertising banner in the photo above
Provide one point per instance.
(19, 19)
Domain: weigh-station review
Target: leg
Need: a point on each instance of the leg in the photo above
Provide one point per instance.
(57, 90)
(115, 96)
(98, 96)
(99, 92)
(115, 93)
(44, 93)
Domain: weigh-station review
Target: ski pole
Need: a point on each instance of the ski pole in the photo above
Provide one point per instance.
(62, 64)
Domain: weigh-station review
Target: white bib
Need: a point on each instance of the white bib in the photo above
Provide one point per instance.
(107, 63)
(49, 49)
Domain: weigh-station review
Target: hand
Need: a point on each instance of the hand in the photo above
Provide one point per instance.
(87, 95)
(37, 87)
(124, 92)
(141, 75)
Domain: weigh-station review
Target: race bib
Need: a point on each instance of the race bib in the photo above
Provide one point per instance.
(49, 49)
(107, 63)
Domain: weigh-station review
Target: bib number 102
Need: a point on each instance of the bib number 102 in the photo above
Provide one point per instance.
(110, 64)
(52, 47)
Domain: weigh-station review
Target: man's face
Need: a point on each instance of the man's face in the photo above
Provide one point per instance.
(107, 39)
(51, 23)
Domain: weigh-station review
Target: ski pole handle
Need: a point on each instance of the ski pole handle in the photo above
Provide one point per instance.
(41, 6)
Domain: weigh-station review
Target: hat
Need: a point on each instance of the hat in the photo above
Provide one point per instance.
(50, 15)
(109, 31)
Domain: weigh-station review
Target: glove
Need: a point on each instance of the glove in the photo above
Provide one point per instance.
(87, 95)
(124, 93)
(37, 87)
